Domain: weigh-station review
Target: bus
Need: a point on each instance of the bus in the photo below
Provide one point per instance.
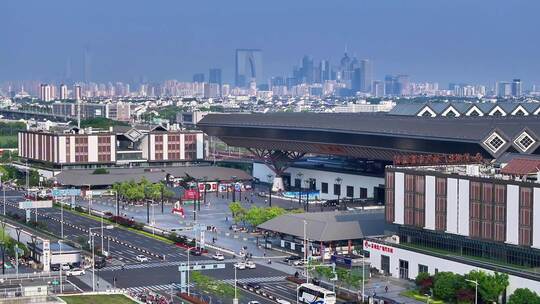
(313, 294)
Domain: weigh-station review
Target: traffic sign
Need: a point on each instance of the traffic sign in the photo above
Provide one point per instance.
(35, 204)
(66, 192)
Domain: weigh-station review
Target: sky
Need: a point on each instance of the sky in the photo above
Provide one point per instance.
(471, 41)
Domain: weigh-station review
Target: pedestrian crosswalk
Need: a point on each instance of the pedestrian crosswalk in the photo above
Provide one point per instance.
(156, 288)
(162, 264)
(256, 280)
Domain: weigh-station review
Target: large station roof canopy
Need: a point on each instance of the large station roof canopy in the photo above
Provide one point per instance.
(376, 135)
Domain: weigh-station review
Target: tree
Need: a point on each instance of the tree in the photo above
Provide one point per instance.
(524, 296)
(424, 282)
(235, 208)
(256, 216)
(446, 285)
(490, 287)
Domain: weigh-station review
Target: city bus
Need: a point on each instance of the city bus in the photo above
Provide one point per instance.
(313, 294)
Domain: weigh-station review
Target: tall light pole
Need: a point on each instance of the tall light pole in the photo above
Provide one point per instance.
(269, 178)
(308, 188)
(338, 181)
(235, 300)
(61, 286)
(475, 282)
(4, 192)
(188, 250)
(299, 175)
(306, 252)
(91, 240)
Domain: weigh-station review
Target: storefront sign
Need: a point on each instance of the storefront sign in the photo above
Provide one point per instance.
(379, 247)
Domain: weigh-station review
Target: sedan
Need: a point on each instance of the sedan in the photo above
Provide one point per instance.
(240, 265)
(253, 285)
(75, 272)
(218, 256)
(250, 265)
(141, 258)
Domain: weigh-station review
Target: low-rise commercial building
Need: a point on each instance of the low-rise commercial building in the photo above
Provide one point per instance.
(458, 218)
(117, 146)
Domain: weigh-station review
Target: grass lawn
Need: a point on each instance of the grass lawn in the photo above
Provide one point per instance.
(413, 294)
(98, 299)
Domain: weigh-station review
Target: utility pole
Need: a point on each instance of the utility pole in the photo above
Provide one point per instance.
(269, 176)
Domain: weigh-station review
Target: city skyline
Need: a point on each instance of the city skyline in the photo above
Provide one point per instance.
(174, 41)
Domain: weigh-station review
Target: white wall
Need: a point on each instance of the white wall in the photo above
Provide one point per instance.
(62, 149)
(536, 215)
(200, 146)
(432, 262)
(152, 143)
(165, 147)
(92, 148)
(463, 207)
(430, 203)
(452, 205)
(512, 214)
(261, 171)
(182, 147)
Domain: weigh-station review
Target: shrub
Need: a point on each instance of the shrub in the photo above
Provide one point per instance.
(524, 296)
(101, 171)
(446, 285)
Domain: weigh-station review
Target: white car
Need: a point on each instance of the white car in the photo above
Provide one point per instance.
(75, 272)
(281, 301)
(250, 265)
(65, 267)
(141, 258)
(218, 256)
(240, 265)
(253, 302)
(298, 263)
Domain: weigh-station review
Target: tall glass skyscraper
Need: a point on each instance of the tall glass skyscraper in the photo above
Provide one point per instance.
(248, 66)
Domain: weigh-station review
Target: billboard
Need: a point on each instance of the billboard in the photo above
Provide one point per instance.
(66, 192)
(35, 204)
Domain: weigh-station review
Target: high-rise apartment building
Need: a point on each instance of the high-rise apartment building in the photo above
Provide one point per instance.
(248, 66)
(397, 85)
(307, 69)
(516, 87)
(325, 70)
(77, 92)
(63, 92)
(45, 93)
(366, 68)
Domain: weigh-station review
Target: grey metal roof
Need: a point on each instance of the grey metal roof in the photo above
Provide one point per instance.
(412, 109)
(84, 177)
(468, 129)
(330, 226)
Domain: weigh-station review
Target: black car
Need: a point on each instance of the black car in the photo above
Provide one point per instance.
(253, 285)
(55, 267)
(291, 258)
(196, 252)
(316, 281)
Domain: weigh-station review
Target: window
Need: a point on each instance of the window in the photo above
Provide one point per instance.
(363, 192)
(524, 141)
(494, 142)
(337, 189)
(324, 187)
(422, 268)
(350, 191)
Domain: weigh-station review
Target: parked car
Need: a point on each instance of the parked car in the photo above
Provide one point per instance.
(75, 272)
(250, 265)
(66, 267)
(218, 256)
(240, 265)
(141, 258)
(253, 285)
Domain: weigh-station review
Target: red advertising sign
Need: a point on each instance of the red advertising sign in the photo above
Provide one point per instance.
(190, 195)
(379, 247)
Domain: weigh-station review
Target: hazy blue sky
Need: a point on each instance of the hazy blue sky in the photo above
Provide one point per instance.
(435, 40)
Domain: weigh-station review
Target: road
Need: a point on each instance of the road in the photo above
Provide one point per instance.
(157, 275)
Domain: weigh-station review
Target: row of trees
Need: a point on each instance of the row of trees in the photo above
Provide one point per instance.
(138, 191)
(345, 277)
(210, 285)
(10, 173)
(9, 244)
(255, 216)
(456, 288)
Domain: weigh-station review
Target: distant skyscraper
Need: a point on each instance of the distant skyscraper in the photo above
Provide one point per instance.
(403, 85)
(199, 77)
(326, 72)
(377, 88)
(307, 69)
(516, 87)
(504, 88)
(396, 85)
(366, 68)
(87, 65)
(215, 76)
(63, 92)
(248, 66)
(225, 90)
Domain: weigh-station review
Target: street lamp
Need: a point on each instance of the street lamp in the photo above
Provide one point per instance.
(475, 282)
(233, 178)
(61, 286)
(4, 192)
(188, 250)
(91, 237)
(235, 300)
(2, 246)
(204, 190)
(299, 175)
(338, 181)
(269, 178)
(308, 188)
